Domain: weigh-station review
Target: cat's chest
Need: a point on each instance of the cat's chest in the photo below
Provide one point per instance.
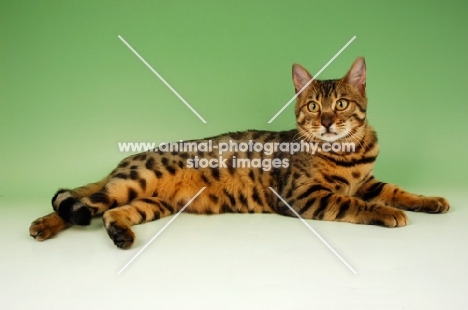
(341, 179)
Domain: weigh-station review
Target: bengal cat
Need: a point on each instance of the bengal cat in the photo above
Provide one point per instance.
(333, 185)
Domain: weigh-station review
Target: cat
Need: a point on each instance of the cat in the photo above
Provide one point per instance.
(333, 185)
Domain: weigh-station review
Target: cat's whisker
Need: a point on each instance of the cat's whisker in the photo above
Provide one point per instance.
(357, 140)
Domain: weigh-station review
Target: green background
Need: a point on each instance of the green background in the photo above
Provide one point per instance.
(71, 90)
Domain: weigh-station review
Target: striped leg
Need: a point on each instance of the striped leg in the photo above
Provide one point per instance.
(317, 202)
(118, 221)
(387, 194)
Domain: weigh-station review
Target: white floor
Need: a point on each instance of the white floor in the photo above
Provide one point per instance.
(238, 262)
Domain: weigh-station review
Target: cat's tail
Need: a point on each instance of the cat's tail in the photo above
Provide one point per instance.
(89, 189)
(66, 202)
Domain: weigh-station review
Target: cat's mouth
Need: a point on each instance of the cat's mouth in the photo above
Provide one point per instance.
(331, 136)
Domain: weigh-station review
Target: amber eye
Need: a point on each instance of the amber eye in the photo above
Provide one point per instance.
(341, 104)
(313, 106)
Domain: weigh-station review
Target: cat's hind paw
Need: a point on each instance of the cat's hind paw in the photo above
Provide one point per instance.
(122, 236)
(47, 226)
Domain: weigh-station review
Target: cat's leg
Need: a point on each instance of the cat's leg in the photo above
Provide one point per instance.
(79, 205)
(118, 221)
(313, 201)
(391, 195)
(64, 202)
(47, 226)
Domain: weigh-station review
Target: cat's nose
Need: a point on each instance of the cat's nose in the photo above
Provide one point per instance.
(327, 121)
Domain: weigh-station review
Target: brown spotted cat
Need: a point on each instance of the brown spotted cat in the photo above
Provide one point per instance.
(337, 185)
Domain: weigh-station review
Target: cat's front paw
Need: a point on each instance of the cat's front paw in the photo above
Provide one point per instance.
(434, 205)
(387, 216)
(122, 236)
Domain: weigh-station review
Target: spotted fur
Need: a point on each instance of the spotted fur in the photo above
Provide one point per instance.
(333, 186)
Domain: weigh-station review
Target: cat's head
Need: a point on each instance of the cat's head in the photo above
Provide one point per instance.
(331, 110)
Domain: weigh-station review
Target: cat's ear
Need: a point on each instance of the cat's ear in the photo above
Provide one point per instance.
(356, 76)
(300, 76)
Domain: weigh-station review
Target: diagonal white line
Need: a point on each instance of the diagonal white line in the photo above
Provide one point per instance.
(162, 79)
(160, 231)
(313, 230)
(314, 77)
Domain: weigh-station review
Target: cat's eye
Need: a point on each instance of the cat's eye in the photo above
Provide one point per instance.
(341, 104)
(313, 106)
